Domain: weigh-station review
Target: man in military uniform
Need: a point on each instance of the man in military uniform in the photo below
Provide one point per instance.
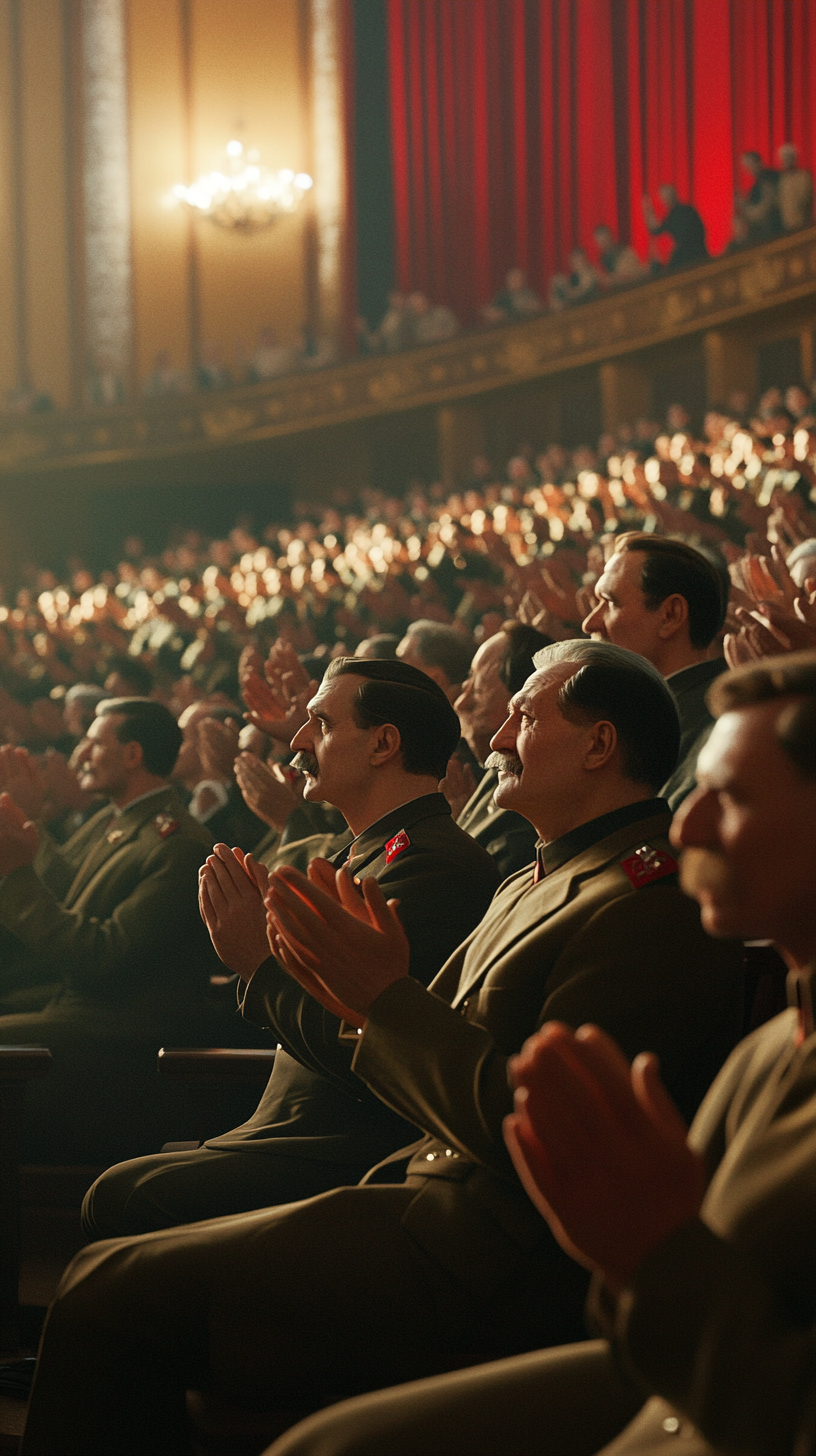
(703, 1248)
(317, 1126)
(450, 1263)
(667, 601)
(109, 954)
(499, 669)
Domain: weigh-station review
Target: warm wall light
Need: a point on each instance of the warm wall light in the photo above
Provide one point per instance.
(245, 198)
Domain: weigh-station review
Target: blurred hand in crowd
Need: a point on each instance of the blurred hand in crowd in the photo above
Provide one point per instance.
(269, 790)
(230, 899)
(18, 836)
(458, 785)
(217, 748)
(22, 779)
(600, 1148)
(62, 791)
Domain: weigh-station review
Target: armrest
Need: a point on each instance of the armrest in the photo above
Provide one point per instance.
(193, 1064)
(22, 1063)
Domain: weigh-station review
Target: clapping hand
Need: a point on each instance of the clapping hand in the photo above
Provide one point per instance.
(18, 836)
(22, 779)
(266, 789)
(458, 785)
(217, 748)
(600, 1148)
(230, 890)
(342, 948)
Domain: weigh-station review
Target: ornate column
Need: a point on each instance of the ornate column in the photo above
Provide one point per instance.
(106, 188)
(328, 151)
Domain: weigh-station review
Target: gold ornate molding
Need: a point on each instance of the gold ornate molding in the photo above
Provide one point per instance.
(707, 297)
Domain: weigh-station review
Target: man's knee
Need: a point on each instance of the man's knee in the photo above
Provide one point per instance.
(115, 1205)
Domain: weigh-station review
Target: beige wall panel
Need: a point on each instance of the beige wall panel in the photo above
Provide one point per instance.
(8, 343)
(246, 81)
(160, 232)
(46, 203)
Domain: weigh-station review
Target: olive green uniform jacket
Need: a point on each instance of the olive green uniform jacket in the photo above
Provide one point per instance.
(717, 1328)
(508, 839)
(111, 960)
(449, 1265)
(317, 1126)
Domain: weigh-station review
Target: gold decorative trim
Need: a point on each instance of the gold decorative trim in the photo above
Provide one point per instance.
(718, 293)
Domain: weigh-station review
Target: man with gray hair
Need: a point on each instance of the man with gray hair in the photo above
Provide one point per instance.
(448, 1263)
(441, 652)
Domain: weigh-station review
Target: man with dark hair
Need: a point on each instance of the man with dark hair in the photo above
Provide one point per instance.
(110, 956)
(667, 601)
(443, 652)
(498, 671)
(377, 741)
(682, 223)
(702, 1245)
(448, 1264)
(759, 206)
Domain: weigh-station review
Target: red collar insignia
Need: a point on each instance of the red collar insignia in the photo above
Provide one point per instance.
(166, 825)
(647, 864)
(396, 845)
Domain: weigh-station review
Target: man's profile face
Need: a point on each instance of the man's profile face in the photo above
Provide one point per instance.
(544, 753)
(483, 702)
(334, 752)
(102, 761)
(748, 832)
(622, 616)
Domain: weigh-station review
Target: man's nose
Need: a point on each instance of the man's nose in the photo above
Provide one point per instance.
(694, 823)
(303, 740)
(504, 740)
(594, 622)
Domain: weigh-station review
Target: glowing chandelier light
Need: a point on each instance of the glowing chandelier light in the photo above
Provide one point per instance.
(246, 197)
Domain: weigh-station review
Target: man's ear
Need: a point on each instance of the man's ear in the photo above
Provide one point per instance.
(603, 741)
(386, 745)
(674, 615)
(134, 755)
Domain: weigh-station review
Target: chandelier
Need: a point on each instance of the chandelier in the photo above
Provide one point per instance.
(245, 198)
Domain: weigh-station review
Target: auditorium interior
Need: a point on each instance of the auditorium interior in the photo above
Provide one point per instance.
(407, 727)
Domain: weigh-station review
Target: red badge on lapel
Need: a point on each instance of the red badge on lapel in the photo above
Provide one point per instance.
(396, 845)
(166, 825)
(647, 864)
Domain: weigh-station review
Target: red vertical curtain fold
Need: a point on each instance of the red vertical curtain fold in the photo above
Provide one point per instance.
(519, 125)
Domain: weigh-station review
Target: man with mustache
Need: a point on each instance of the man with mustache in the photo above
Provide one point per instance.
(448, 1262)
(376, 743)
(702, 1246)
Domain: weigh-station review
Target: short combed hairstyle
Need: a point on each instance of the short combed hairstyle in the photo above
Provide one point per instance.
(620, 686)
(394, 692)
(149, 724)
(522, 644)
(442, 646)
(790, 676)
(671, 567)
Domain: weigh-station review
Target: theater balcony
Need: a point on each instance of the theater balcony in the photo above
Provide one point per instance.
(740, 321)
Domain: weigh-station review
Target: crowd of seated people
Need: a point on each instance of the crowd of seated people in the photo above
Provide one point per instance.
(412, 775)
(777, 201)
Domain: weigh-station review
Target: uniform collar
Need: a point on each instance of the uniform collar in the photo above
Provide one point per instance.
(371, 841)
(687, 679)
(552, 856)
(151, 793)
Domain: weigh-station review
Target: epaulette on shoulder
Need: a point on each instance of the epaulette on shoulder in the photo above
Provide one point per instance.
(165, 825)
(647, 865)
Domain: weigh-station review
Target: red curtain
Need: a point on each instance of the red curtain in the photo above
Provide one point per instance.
(519, 125)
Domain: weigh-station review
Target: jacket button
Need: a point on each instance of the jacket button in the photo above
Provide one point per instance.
(431, 1157)
(671, 1425)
